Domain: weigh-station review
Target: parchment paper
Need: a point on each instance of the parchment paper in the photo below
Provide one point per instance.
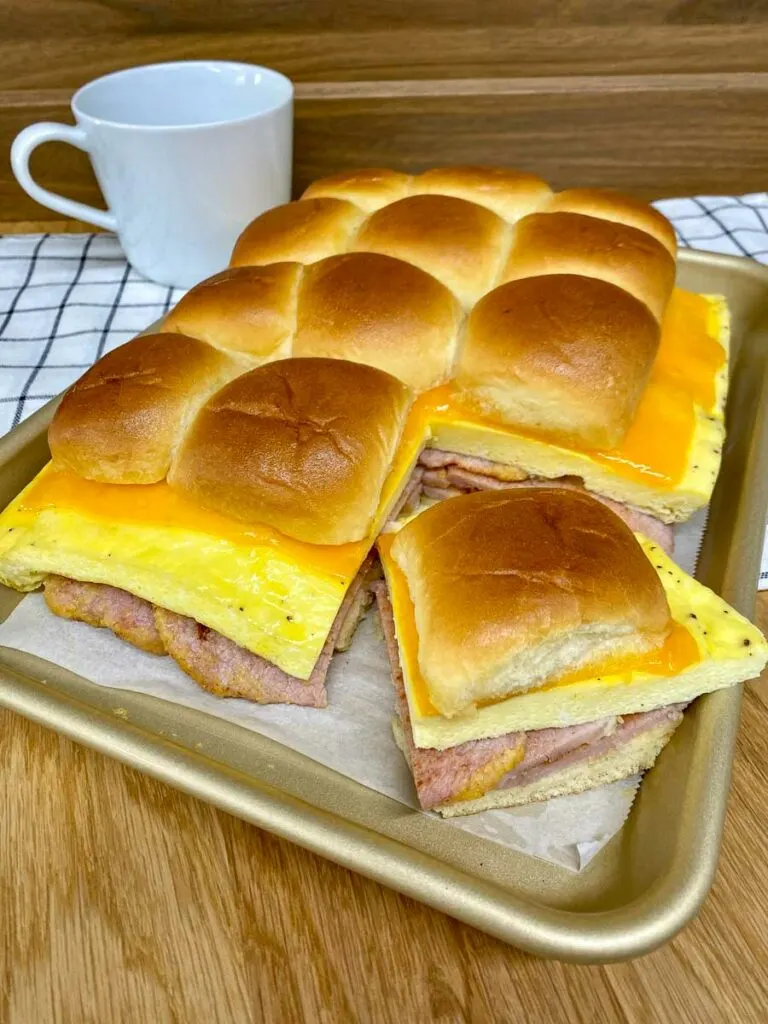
(353, 735)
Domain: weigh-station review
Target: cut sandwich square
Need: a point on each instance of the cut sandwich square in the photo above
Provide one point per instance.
(248, 564)
(603, 720)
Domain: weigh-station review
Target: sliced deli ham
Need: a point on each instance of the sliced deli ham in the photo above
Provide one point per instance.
(216, 663)
(553, 755)
(447, 474)
(442, 775)
(227, 670)
(436, 458)
(100, 605)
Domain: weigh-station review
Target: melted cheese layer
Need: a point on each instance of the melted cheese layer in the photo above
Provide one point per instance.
(707, 649)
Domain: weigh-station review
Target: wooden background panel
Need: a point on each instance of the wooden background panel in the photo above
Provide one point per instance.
(50, 43)
(651, 136)
(634, 134)
(664, 97)
(394, 54)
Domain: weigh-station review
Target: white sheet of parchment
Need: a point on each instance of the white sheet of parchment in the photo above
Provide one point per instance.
(353, 735)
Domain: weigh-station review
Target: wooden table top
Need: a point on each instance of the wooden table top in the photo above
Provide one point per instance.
(122, 900)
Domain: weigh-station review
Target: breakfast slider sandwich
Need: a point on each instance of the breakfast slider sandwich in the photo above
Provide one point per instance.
(538, 647)
(543, 331)
(220, 517)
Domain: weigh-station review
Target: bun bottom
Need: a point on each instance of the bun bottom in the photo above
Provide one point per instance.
(637, 755)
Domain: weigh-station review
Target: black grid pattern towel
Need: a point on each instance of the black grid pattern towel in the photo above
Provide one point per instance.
(65, 300)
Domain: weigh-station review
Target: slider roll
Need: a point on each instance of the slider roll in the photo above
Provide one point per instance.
(513, 588)
(301, 445)
(249, 312)
(120, 422)
(385, 312)
(298, 232)
(458, 242)
(562, 355)
(608, 205)
(572, 243)
(507, 193)
(369, 188)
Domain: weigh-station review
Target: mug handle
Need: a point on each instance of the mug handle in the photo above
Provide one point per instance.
(23, 145)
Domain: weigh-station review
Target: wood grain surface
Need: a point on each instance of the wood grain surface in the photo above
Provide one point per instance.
(122, 900)
(664, 97)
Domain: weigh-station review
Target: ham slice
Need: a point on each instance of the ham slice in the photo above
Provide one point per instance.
(436, 458)
(468, 481)
(99, 605)
(440, 775)
(226, 670)
(216, 663)
(441, 493)
(552, 757)
(409, 499)
(443, 776)
(448, 474)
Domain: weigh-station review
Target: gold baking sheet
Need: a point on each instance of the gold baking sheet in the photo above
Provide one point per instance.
(648, 881)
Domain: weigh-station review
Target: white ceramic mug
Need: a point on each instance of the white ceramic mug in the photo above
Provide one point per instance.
(186, 155)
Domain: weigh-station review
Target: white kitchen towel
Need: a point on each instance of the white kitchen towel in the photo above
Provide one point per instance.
(65, 300)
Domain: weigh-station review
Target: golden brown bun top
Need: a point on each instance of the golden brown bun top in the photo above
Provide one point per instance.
(248, 310)
(302, 445)
(581, 350)
(495, 574)
(530, 557)
(509, 194)
(381, 311)
(610, 205)
(458, 242)
(120, 422)
(572, 243)
(370, 188)
(381, 268)
(303, 232)
(472, 229)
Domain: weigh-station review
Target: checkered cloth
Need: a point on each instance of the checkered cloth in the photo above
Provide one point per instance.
(65, 300)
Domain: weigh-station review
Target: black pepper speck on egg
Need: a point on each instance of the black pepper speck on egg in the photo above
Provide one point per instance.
(747, 641)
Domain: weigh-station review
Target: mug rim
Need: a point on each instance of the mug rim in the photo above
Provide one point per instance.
(277, 76)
